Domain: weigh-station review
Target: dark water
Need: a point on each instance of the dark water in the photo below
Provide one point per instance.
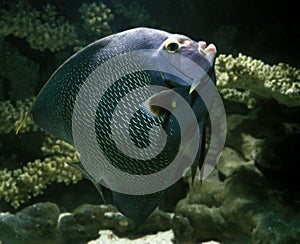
(265, 30)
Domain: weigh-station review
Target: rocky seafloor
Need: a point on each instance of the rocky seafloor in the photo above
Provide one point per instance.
(252, 196)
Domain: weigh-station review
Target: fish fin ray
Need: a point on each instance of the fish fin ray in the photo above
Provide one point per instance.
(198, 164)
(23, 122)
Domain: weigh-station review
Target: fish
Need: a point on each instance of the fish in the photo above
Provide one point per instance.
(54, 107)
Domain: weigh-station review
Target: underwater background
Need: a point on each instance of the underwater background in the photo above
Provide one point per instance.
(252, 196)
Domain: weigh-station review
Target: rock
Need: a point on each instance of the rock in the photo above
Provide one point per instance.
(249, 212)
(182, 228)
(197, 215)
(86, 221)
(240, 136)
(230, 161)
(69, 228)
(157, 221)
(272, 229)
(43, 223)
(197, 222)
(209, 192)
(270, 139)
(32, 224)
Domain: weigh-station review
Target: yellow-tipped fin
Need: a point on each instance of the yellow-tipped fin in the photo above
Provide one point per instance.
(194, 85)
(22, 124)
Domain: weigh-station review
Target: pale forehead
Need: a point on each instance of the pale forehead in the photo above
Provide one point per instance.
(178, 36)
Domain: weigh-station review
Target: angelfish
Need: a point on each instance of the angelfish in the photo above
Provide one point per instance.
(54, 105)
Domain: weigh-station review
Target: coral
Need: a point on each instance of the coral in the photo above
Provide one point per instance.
(19, 185)
(41, 29)
(11, 116)
(248, 80)
(96, 19)
(238, 96)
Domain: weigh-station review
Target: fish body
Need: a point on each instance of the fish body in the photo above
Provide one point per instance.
(54, 106)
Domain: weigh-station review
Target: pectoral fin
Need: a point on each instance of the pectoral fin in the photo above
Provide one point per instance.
(165, 98)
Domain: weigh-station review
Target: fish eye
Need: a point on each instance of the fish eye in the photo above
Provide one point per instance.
(172, 46)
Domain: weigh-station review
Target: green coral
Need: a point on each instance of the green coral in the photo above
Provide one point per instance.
(11, 116)
(19, 185)
(96, 17)
(41, 29)
(239, 96)
(247, 80)
(46, 29)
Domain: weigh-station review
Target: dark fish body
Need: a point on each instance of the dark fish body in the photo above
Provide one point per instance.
(54, 106)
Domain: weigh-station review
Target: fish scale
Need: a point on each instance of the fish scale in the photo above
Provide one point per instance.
(140, 127)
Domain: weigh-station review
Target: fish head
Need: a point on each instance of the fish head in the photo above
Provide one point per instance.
(184, 64)
(173, 53)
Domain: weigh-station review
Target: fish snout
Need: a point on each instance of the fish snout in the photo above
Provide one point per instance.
(209, 51)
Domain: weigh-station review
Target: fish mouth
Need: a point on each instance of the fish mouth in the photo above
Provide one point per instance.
(209, 51)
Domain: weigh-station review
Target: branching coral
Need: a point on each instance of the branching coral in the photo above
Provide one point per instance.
(43, 30)
(96, 19)
(19, 185)
(245, 79)
(11, 116)
(47, 30)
